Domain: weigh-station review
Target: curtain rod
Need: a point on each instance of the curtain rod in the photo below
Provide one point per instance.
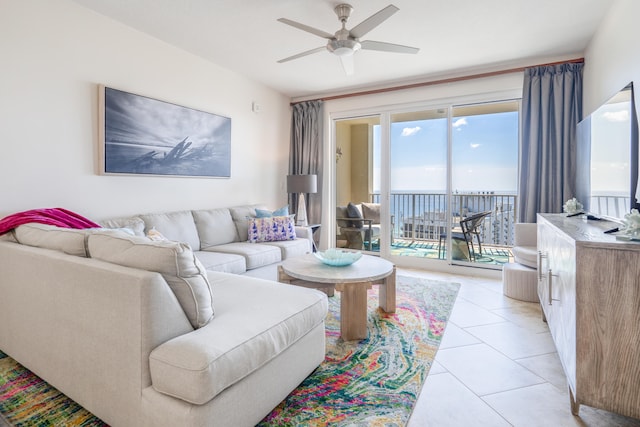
(441, 81)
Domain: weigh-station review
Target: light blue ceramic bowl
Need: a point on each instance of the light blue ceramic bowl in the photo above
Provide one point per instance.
(337, 257)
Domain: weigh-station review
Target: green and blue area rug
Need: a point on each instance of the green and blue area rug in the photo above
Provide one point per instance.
(373, 382)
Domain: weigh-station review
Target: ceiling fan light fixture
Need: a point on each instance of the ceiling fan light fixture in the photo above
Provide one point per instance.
(343, 51)
(343, 47)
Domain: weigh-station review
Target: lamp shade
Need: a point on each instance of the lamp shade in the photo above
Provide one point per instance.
(302, 183)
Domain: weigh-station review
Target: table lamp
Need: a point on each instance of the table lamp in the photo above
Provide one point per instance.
(302, 184)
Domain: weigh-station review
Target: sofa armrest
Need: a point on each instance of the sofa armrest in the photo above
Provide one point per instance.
(368, 222)
(303, 232)
(98, 323)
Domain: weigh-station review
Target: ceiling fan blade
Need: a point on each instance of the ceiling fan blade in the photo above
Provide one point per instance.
(347, 64)
(388, 47)
(305, 53)
(306, 28)
(373, 21)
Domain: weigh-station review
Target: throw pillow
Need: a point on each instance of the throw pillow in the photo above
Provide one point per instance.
(175, 261)
(371, 211)
(354, 211)
(133, 223)
(274, 229)
(155, 235)
(341, 212)
(263, 213)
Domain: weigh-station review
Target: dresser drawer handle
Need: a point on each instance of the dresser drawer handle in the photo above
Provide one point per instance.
(550, 277)
(540, 257)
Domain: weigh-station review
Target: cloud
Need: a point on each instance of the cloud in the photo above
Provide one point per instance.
(474, 145)
(616, 116)
(410, 131)
(460, 122)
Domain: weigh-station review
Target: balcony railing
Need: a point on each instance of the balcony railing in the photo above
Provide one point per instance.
(422, 216)
(609, 205)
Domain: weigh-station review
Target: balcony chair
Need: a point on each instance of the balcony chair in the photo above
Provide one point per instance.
(359, 225)
(469, 226)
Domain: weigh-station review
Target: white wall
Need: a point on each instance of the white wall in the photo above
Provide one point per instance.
(612, 59)
(54, 53)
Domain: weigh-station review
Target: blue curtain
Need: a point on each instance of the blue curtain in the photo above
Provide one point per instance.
(305, 157)
(551, 110)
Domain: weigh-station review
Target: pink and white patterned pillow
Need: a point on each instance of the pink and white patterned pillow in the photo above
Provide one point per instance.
(273, 229)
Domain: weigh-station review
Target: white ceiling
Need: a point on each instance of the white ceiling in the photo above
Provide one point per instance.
(454, 36)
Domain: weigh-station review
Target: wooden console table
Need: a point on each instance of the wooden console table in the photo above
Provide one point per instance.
(589, 289)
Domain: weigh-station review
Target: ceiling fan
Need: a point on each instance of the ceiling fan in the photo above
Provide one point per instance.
(344, 43)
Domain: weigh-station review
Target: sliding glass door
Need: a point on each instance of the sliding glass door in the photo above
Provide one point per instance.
(445, 179)
(355, 184)
(484, 162)
(418, 179)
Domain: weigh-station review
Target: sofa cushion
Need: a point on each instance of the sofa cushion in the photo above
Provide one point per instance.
(215, 227)
(219, 261)
(68, 240)
(371, 211)
(526, 255)
(177, 226)
(134, 223)
(240, 215)
(174, 260)
(272, 229)
(292, 248)
(256, 320)
(255, 254)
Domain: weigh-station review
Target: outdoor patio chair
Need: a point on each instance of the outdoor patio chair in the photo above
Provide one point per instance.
(469, 226)
(359, 225)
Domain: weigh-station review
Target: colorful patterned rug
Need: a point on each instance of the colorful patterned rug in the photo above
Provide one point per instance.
(373, 382)
(27, 400)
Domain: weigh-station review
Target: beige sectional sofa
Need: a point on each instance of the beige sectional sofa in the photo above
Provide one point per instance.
(141, 333)
(218, 237)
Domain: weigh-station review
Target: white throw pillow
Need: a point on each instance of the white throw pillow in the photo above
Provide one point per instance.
(176, 262)
(133, 223)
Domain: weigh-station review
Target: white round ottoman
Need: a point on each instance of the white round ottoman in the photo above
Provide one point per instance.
(520, 282)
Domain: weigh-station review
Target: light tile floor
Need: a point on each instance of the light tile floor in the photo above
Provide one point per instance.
(497, 366)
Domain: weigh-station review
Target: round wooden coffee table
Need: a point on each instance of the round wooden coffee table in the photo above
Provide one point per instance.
(352, 281)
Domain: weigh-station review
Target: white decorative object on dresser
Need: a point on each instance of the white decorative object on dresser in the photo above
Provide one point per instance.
(589, 289)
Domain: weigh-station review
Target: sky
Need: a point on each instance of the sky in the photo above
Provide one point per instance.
(138, 120)
(484, 154)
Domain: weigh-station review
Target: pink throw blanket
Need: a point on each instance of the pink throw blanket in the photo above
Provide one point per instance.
(53, 216)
